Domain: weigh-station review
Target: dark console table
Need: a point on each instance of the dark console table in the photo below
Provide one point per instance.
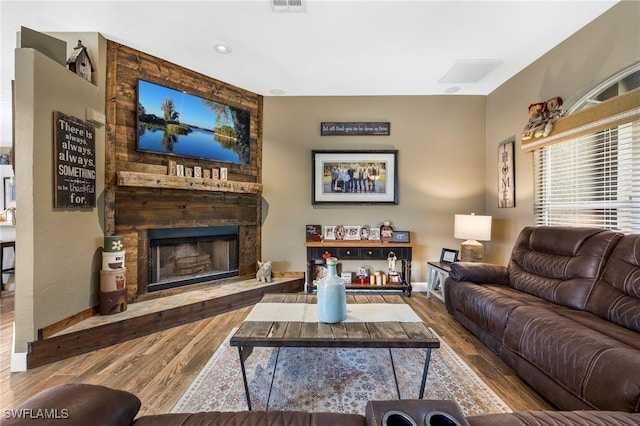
(361, 250)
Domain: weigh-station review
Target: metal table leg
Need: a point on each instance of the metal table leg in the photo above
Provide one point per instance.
(244, 375)
(424, 373)
(393, 367)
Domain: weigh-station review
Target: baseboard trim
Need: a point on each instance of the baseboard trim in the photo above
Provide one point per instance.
(18, 359)
(419, 287)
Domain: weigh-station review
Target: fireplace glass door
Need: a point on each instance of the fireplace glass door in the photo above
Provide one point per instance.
(195, 255)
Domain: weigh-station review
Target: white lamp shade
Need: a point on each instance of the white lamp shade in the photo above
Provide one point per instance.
(472, 227)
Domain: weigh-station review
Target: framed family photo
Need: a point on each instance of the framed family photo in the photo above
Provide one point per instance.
(352, 177)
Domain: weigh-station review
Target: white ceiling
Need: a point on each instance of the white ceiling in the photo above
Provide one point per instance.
(331, 47)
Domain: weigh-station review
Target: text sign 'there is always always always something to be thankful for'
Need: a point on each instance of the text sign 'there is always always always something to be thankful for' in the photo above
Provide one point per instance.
(74, 183)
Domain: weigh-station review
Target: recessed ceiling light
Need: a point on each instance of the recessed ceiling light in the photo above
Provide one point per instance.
(223, 48)
(277, 92)
(452, 89)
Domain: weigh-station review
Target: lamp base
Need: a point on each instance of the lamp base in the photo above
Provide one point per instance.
(471, 251)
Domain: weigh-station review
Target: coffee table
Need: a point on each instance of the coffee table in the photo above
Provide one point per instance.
(373, 321)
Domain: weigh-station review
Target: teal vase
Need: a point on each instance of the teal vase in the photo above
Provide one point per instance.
(332, 296)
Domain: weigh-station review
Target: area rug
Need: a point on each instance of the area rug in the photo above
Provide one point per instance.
(334, 380)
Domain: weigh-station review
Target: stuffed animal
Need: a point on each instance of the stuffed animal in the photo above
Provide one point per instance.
(536, 120)
(542, 115)
(551, 113)
(264, 271)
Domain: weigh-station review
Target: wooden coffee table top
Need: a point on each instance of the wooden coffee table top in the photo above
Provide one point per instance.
(401, 328)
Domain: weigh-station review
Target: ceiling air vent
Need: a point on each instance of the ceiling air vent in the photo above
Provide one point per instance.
(287, 5)
(469, 70)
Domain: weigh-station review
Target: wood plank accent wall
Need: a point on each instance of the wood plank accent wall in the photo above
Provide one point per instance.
(130, 211)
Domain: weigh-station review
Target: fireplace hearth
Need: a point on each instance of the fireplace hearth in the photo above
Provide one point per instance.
(185, 256)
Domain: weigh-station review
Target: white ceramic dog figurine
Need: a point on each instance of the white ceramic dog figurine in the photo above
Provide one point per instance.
(264, 271)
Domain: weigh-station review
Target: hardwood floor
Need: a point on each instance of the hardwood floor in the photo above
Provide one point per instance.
(159, 367)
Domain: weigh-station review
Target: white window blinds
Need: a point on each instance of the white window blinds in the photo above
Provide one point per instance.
(591, 180)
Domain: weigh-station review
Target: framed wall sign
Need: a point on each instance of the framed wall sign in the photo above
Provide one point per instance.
(352, 177)
(355, 129)
(506, 175)
(74, 176)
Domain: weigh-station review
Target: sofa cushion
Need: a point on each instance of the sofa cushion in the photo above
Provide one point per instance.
(616, 297)
(76, 404)
(560, 264)
(557, 418)
(252, 418)
(598, 369)
(489, 306)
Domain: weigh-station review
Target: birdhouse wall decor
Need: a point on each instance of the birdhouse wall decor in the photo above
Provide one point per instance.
(80, 63)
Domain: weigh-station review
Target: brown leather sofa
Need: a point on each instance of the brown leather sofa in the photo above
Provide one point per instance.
(564, 314)
(86, 404)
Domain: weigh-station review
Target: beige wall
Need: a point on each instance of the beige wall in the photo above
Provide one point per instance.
(57, 259)
(604, 47)
(445, 145)
(440, 143)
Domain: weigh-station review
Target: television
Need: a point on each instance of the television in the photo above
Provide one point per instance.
(172, 122)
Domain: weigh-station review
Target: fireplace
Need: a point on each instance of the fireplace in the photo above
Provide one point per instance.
(184, 256)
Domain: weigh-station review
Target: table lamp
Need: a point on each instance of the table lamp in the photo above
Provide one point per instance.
(472, 227)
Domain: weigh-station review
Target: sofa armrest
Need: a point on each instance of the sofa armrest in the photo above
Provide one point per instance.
(75, 404)
(556, 418)
(479, 273)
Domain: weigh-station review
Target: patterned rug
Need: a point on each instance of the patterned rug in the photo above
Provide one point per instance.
(334, 380)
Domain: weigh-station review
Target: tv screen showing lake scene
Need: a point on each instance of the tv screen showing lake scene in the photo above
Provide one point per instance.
(177, 123)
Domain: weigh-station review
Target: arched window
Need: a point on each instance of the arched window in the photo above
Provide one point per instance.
(589, 173)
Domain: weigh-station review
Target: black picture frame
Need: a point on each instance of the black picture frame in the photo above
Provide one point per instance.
(401, 237)
(330, 177)
(448, 255)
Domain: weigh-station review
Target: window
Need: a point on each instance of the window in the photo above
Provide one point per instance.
(591, 180)
(589, 173)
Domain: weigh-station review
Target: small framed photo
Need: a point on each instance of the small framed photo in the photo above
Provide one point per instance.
(400, 237)
(223, 173)
(329, 232)
(351, 232)
(313, 233)
(365, 231)
(215, 173)
(448, 256)
(179, 169)
(188, 171)
(374, 234)
(197, 171)
(206, 173)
